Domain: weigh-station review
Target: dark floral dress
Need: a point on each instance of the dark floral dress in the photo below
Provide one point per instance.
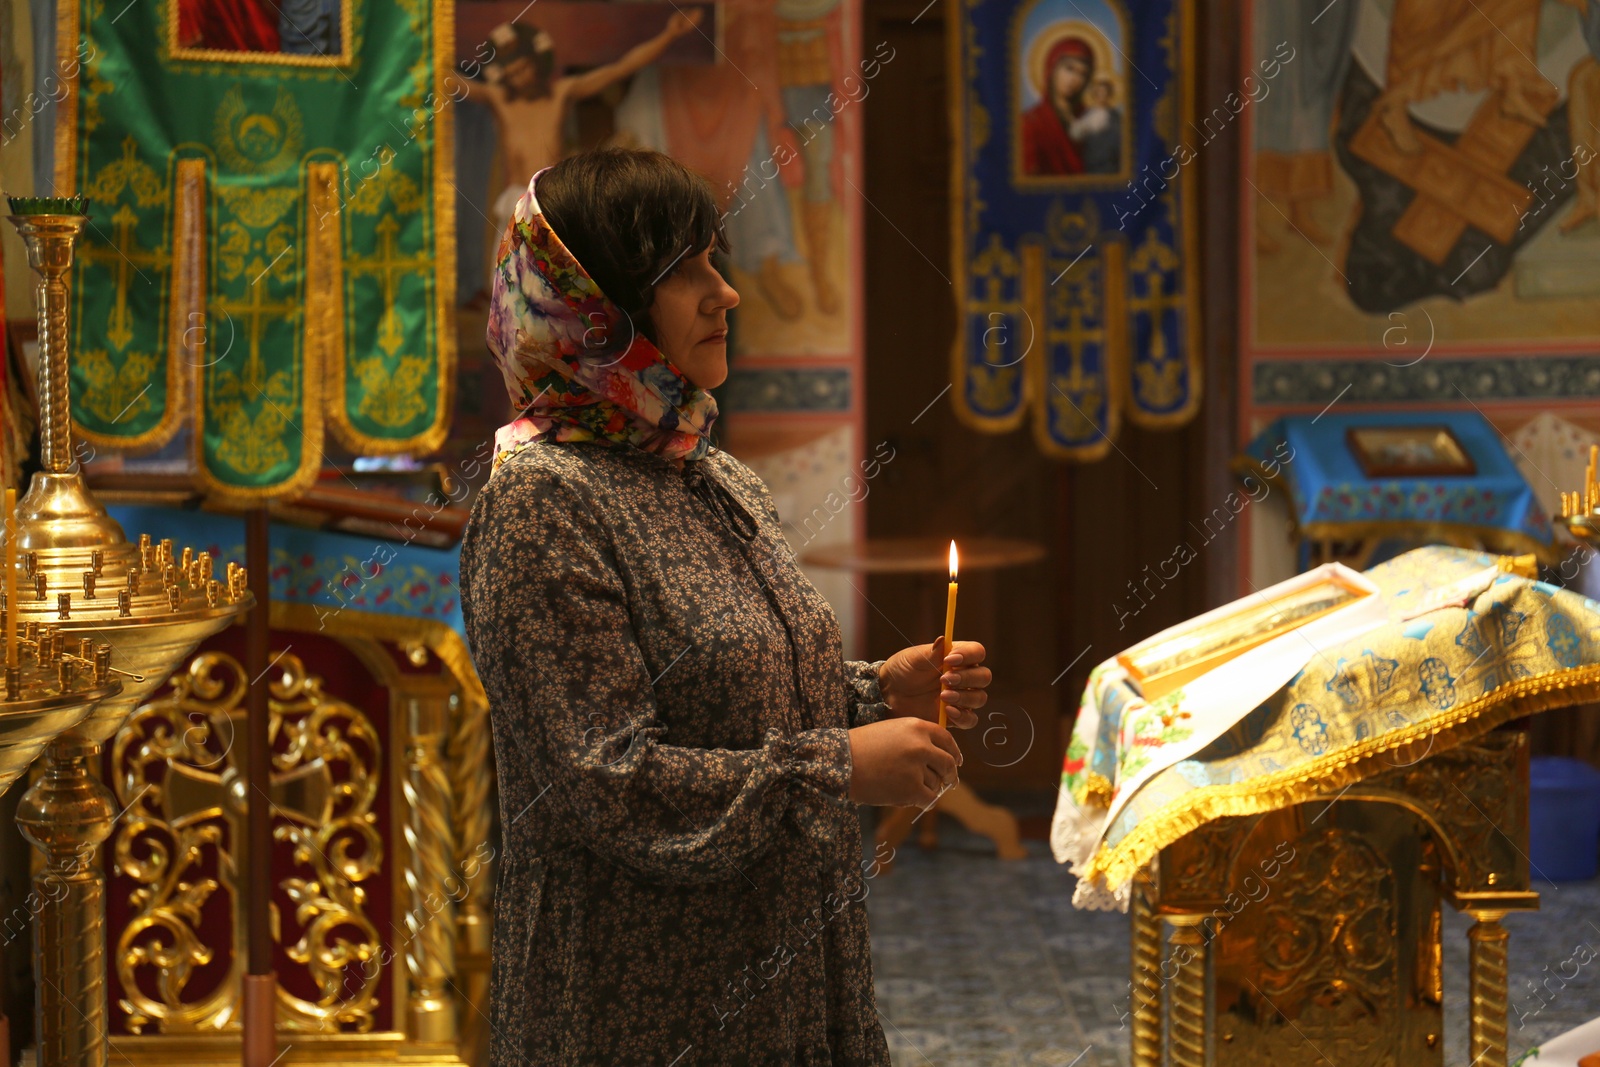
(682, 880)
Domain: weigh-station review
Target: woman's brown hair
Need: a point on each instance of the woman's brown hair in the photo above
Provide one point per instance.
(629, 216)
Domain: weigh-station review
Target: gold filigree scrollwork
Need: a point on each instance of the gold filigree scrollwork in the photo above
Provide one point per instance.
(344, 851)
(1196, 866)
(1333, 919)
(167, 860)
(1464, 792)
(178, 766)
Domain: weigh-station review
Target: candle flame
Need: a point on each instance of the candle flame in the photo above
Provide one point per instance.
(954, 559)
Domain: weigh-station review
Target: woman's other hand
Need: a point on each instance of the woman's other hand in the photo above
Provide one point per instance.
(901, 762)
(914, 680)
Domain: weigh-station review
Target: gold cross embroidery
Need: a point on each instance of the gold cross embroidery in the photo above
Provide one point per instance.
(388, 266)
(1153, 260)
(256, 311)
(125, 259)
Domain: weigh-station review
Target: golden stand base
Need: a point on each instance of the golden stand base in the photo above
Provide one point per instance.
(1312, 933)
(67, 815)
(327, 1050)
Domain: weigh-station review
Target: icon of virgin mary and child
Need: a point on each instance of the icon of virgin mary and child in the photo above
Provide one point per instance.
(1076, 126)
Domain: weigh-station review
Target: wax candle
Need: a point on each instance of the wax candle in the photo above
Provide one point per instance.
(1591, 491)
(11, 578)
(949, 626)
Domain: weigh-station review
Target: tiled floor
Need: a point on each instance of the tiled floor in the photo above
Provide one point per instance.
(981, 963)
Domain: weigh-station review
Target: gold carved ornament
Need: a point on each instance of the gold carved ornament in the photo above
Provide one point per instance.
(179, 766)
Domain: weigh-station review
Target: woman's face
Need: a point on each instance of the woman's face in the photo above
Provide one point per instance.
(690, 316)
(1068, 77)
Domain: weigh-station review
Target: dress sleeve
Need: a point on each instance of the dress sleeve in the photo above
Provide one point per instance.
(547, 615)
(866, 701)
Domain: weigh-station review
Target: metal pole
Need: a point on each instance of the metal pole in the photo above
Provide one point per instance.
(260, 1047)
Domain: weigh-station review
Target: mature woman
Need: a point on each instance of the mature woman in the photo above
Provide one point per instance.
(679, 740)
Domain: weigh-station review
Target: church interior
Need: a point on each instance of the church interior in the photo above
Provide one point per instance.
(1229, 370)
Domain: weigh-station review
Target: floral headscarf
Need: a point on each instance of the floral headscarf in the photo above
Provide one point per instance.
(574, 363)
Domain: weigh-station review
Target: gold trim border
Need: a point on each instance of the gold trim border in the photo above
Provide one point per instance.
(323, 324)
(444, 275)
(1270, 792)
(345, 58)
(1497, 539)
(956, 45)
(438, 637)
(1114, 349)
(1188, 185)
(392, 1046)
(185, 296)
(66, 131)
(310, 427)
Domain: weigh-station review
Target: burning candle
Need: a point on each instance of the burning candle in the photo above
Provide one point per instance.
(11, 579)
(949, 626)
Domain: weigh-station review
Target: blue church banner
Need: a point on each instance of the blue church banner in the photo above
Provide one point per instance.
(1073, 215)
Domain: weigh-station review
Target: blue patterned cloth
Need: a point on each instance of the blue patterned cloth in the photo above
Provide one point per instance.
(332, 572)
(1330, 495)
(1429, 681)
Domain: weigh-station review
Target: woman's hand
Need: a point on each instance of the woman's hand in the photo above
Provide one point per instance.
(914, 681)
(901, 762)
(683, 22)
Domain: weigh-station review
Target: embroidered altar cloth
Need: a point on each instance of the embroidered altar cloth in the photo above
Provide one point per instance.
(1419, 683)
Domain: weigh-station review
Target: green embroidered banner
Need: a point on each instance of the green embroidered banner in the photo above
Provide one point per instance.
(272, 229)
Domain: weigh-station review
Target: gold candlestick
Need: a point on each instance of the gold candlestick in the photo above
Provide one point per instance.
(1580, 509)
(64, 531)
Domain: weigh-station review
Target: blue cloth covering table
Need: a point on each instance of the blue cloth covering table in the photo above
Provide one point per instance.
(1332, 499)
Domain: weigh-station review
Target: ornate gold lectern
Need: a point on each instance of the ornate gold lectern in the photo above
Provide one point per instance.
(1321, 921)
(391, 808)
(1285, 872)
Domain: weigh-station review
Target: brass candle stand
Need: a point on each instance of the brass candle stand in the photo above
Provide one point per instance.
(1580, 509)
(81, 577)
(65, 814)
